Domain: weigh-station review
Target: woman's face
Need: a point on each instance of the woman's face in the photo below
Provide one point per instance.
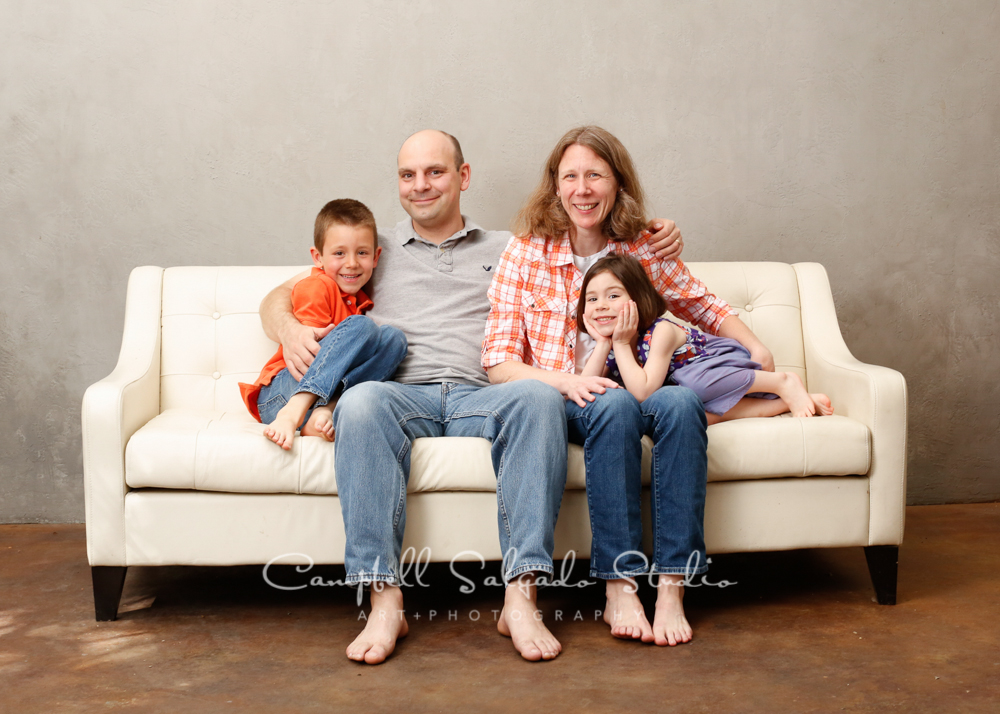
(586, 187)
(604, 299)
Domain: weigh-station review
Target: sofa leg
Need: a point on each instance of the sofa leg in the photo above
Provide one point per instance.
(108, 583)
(883, 562)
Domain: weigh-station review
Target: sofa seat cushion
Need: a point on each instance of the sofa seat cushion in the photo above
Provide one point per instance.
(227, 451)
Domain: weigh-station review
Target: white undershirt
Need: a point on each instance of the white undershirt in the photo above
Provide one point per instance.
(584, 342)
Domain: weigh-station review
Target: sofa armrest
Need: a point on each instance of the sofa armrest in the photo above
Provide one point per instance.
(113, 409)
(873, 395)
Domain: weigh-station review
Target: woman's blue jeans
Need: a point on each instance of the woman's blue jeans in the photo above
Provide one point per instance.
(356, 350)
(610, 429)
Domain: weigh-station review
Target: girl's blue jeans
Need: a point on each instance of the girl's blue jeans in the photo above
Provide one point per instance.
(356, 350)
(610, 429)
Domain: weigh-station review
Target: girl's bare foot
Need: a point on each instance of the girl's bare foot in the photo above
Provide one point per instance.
(320, 423)
(521, 620)
(624, 612)
(386, 624)
(800, 404)
(823, 405)
(670, 626)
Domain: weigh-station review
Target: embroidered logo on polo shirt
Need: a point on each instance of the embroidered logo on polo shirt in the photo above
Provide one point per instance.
(487, 268)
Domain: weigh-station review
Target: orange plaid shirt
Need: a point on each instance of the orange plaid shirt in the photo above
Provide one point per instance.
(536, 287)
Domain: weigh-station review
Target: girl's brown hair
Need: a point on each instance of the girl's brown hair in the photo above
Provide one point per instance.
(543, 215)
(633, 278)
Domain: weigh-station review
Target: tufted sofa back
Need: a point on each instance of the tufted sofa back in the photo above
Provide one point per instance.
(212, 337)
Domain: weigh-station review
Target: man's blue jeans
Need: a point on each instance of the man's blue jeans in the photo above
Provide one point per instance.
(355, 351)
(610, 429)
(376, 424)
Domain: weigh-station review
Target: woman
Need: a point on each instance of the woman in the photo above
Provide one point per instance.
(589, 203)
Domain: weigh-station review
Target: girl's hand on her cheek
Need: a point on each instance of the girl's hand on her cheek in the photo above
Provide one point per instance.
(627, 325)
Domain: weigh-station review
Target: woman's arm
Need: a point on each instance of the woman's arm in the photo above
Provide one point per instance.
(733, 328)
(574, 387)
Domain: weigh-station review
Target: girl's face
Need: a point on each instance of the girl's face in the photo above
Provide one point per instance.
(604, 299)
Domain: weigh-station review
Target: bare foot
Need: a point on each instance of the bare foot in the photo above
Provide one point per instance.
(795, 395)
(521, 620)
(624, 612)
(670, 626)
(823, 405)
(282, 430)
(320, 423)
(386, 624)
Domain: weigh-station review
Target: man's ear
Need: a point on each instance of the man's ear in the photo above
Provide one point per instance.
(378, 252)
(466, 174)
(317, 258)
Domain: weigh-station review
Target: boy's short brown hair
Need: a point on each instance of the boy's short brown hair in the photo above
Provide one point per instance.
(343, 212)
(633, 278)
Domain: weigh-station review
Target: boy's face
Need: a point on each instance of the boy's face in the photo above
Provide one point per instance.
(349, 256)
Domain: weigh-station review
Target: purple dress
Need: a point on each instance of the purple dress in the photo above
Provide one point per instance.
(719, 370)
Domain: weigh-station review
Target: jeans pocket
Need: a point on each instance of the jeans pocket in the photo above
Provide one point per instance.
(269, 409)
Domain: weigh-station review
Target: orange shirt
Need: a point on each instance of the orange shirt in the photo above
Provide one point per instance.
(316, 302)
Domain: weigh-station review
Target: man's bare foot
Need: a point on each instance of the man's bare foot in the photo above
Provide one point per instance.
(670, 626)
(624, 612)
(386, 624)
(521, 620)
(824, 407)
(320, 423)
(282, 430)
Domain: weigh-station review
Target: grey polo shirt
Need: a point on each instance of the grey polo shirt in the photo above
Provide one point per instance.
(436, 294)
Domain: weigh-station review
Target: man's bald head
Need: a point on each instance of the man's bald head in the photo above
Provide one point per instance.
(432, 135)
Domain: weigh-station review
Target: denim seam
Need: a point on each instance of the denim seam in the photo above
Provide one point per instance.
(401, 497)
(501, 504)
(678, 570)
(528, 568)
(594, 573)
(355, 578)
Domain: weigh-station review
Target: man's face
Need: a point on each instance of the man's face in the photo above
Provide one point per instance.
(429, 181)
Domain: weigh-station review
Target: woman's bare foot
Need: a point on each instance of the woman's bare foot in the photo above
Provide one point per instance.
(823, 405)
(386, 624)
(624, 612)
(320, 423)
(670, 626)
(521, 620)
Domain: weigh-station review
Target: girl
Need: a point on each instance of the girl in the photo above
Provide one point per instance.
(616, 297)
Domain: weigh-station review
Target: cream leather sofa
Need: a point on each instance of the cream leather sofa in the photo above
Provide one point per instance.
(177, 472)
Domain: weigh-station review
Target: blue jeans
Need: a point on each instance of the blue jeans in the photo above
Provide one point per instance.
(610, 429)
(356, 350)
(376, 424)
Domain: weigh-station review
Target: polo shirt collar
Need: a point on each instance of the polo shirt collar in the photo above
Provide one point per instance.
(405, 232)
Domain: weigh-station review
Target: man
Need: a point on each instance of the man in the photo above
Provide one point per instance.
(432, 280)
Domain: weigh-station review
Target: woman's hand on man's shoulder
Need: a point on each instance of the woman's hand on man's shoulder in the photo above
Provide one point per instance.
(666, 240)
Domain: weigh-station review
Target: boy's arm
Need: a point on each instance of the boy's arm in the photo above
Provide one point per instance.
(299, 343)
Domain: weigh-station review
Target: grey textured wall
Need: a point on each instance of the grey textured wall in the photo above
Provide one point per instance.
(862, 135)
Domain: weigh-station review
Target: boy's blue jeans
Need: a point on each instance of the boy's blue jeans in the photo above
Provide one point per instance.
(376, 423)
(355, 351)
(610, 429)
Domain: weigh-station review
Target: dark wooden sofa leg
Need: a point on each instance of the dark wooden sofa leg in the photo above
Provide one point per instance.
(108, 583)
(883, 562)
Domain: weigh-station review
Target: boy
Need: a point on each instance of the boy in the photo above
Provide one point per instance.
(357, 350)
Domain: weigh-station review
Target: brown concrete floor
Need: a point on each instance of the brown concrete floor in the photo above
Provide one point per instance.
(798, 633)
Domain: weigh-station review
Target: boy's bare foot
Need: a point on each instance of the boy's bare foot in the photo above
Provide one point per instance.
(386, 624)
(282, 430)
(624, 612)
(320, 423)
(824, 407)
(670, 626)
(521, 620)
